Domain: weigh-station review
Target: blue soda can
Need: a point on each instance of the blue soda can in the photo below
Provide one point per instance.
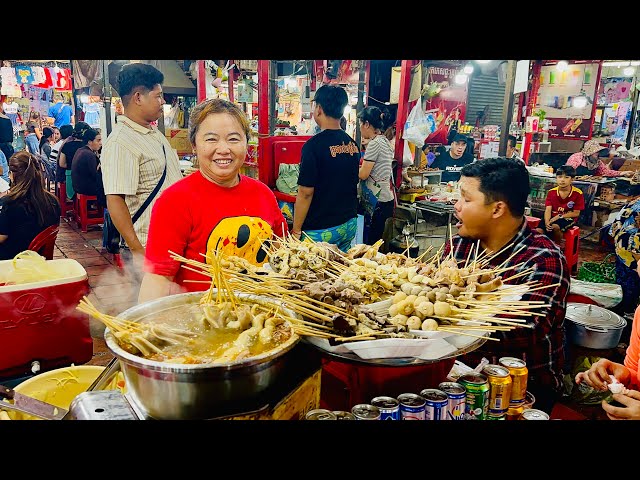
(437, 404)
(412, 406)
(389, 407)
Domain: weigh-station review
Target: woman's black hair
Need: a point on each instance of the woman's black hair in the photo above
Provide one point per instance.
(47, 132)
(89, 135)
(377, 118)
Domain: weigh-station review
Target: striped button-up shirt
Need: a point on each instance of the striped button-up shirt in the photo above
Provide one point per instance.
(132, 164)
(542, 346)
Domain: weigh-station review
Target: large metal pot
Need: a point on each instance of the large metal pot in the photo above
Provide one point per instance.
(165, 390)
(592, 326)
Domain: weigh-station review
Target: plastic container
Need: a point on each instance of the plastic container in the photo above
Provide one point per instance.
(59, 387)
(39, 322)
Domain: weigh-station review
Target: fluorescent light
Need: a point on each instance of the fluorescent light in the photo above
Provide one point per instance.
(624, 63)
(460, 78)
(468, 69)
(562, 65)
(628, 71)
(634, 63)
(483, 61)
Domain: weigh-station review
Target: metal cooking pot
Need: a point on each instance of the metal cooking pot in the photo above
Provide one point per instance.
(592, 326)
(164, 390)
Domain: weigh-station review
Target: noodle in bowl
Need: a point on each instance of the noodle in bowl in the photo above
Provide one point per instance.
(165, 390)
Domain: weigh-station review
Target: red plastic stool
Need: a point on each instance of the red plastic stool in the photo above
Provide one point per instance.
(66, 206)
(86, 216)
(533, 222)
(571, 248)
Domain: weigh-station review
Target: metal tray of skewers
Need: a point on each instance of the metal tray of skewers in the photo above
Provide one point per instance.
(390, 309)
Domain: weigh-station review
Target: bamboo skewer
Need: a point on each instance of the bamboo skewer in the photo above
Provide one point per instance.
(469, 334)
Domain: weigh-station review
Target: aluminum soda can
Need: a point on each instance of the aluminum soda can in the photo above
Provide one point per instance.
(499, 389)
(457, 398)
(519, 374)
(342, 415)
(437, 404)
(477, 395)
(320, 414)
(365, 411)
(389, 407)
(412, 406)
(534, 414)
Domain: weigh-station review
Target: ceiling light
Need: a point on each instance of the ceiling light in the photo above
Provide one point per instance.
(468, 69)
(629, 71)
(483, 61)
(634, 63)
(562, 65)
(460, 78)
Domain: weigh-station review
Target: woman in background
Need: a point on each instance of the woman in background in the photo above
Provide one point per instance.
(85, 168)
(588, 161)
(45, 142)
(27, 209)
(376, 174)
(67, 152)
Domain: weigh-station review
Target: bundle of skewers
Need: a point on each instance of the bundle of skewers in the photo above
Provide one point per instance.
(465, 298)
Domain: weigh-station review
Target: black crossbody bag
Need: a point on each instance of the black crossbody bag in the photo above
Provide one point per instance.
(113, 237)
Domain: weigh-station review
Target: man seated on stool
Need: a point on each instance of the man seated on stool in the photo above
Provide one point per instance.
(493, 195)
(563, 205)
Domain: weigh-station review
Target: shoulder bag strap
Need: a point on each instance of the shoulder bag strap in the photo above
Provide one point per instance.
(150, 198)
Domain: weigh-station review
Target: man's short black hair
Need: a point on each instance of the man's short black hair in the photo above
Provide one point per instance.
(332, 99)
(459, 137)
(134, 75)
(66, 131)
(502, 179)
(512, 140)
(566, 170)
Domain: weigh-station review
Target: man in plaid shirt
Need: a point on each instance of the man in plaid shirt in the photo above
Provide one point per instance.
(493, 194)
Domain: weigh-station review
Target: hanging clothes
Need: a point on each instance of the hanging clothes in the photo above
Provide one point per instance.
(24, 74)
(92, 114)
(10, 85)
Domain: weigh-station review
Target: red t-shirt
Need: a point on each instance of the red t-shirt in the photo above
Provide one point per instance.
(194, 215)
(559, 205)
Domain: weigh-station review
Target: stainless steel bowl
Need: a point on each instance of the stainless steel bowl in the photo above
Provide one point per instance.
(165, 390)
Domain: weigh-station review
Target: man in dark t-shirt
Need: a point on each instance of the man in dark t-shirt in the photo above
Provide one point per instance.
(326, 205)
(452, 161)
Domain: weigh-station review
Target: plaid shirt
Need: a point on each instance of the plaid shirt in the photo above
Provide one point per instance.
(543, 346)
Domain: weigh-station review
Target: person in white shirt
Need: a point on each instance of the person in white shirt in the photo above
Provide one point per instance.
(137, 157)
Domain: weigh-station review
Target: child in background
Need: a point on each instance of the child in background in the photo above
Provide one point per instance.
(563, 205)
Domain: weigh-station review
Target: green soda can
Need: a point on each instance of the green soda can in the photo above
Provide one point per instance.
(477, 401)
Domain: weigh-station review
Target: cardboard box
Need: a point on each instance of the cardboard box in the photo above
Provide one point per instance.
(179, 140)
(630, 166)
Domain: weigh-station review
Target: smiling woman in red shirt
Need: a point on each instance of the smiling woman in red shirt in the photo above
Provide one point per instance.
(215, 208)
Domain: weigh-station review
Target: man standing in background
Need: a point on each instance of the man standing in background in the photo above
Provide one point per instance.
(61, 112)
(137, 160)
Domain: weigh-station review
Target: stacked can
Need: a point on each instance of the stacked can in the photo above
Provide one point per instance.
(534, 414)
(457, 398)
(437, 404)
(476, 386)
(519, 373)
(320, 414)
(412, 406)
(365, 411)
(342, 415)
(499, 391)
(389, 407)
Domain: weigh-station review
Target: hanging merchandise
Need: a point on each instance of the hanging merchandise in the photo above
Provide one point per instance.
(416, 127)
(24, 74)
(92, 114)
(38, 76)
(47, 82)
(10, 85)
(62, 78)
